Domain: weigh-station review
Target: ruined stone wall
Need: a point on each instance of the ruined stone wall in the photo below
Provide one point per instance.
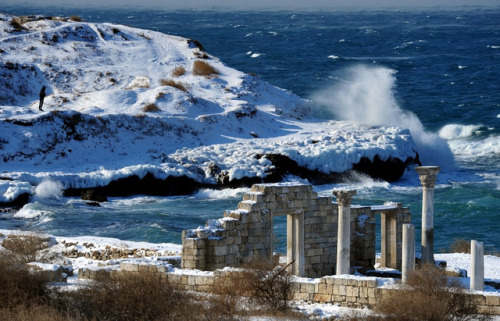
(347, 291)
(246, 234)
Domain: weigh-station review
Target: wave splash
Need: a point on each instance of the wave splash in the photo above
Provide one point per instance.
(49, 190)
(365, 94)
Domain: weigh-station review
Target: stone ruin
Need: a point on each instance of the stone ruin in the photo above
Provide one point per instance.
(313, 234)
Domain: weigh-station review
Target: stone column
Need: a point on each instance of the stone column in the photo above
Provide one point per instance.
(428, 176)
(295, 243)
(477, 266)
(408, 265)
(344, 199)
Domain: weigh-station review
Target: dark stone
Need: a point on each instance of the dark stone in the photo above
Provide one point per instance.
(395, 274)
(389, 170)
(94, 196)
(19, 201)
(148, 185)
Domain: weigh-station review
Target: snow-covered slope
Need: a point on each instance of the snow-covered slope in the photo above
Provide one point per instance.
(123, 101)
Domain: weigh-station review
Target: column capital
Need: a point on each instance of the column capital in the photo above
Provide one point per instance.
(428, 175)
(344, 197)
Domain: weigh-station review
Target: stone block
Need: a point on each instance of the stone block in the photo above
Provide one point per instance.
(492, 300)
(322, 298)
(129, 267)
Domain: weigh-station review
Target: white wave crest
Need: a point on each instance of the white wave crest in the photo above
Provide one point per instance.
(476, 148)
(455, 131)
(49, 189)
(221, 194)
(30, 213)
(366, 95)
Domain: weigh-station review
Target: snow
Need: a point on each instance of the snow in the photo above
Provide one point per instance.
(95, 127)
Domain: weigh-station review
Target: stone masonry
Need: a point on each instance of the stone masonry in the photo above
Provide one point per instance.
(245, 234)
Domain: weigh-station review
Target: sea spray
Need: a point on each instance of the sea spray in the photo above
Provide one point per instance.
(365, 94)
(49, 189)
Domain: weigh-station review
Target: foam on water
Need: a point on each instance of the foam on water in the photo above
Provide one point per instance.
(221, 194)
(365, 94)
(454, 131)
(31, 211)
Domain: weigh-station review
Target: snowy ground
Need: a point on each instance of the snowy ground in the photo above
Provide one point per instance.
(123, 101)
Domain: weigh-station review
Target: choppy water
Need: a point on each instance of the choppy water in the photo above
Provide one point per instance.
(433, 71)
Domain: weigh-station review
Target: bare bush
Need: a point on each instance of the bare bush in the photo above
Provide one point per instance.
(268, 285)
(34, 313)
(150, 108)
(429, 295)
(145, 296)
(25, 248)
(179, 71)
(202, 68)
(19, 287)
(172, 83)
(460, 246)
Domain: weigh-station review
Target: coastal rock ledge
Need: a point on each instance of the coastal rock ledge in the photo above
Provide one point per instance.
(388, 170)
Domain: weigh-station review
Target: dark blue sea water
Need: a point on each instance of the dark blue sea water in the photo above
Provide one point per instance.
(437, 72)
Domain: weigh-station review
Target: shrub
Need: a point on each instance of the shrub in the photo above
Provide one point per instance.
(460, 246)
(144, 296)
(25, 248)
(429, 295)
(17, 24)
(202, 68)
(268, 285)
(150, 108)
(172, 83)
(75, 18)
(19, 287)
(179, 71)
(34, 313)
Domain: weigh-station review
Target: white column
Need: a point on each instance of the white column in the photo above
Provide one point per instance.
(477, 266)
(428, 176)
(344, 199)
(295, 243)
(408, 264)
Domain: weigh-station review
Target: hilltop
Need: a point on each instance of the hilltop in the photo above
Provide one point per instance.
(133, 111)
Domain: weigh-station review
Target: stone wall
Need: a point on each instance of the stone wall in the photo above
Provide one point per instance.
(346, 291)
(246, 234)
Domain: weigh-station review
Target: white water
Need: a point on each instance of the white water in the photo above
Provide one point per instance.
(365, 94)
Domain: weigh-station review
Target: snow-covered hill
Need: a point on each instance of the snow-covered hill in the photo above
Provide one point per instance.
(123, 101)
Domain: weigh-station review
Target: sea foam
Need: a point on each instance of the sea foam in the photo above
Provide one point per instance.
(365, 94)
(455, 131)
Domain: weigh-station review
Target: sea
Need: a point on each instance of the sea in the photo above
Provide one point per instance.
(434, 71)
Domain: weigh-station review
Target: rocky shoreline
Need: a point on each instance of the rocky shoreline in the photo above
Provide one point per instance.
(389, 170)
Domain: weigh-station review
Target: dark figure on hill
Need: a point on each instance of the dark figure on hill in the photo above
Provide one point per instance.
(42, 97)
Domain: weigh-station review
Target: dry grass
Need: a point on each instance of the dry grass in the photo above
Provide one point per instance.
(150, 108)
(202, 68)
(75, 18)
(179, 71)
(430, 296)
(173, 83)
(460, 246)
(25, 248)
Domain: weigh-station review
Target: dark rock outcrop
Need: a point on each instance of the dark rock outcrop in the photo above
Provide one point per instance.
(389, 170)
(93, 196)
(148, 185)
